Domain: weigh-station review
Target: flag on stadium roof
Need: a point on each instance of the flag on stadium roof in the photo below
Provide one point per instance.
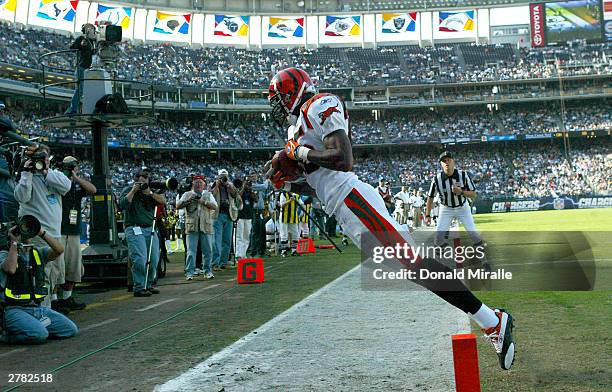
(286, 27)
(57, 10)
(173, 24)
(399, 23)
(118, 16)
(231, 25)
(343, 26)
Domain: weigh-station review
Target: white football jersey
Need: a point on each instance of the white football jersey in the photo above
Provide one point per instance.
(320, 116)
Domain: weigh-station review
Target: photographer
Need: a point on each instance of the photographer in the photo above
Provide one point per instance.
(139, 202)
(22, 278)
(257, 243)
(225, 194)
(245, 216)
(39, 193)
(85, 44)
(200, 207)
(71, 230)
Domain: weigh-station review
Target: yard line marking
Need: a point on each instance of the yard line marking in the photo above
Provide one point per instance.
(110, 300)
(205, 288)
(98, 324)
(15, 351)
(231, 280)
(156, 305)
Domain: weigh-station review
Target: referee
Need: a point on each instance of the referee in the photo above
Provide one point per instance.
(453, 187)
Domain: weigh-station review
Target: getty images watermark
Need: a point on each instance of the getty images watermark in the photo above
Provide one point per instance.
(506, 261)
(410, 257)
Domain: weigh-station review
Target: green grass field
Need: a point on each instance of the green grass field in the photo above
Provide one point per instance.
(562, 337)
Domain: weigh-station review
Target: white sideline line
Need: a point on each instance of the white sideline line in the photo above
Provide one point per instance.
(185, 380)
(15, 351)
(231, 280)
(87, 328)
(205, 288)
(156, 305)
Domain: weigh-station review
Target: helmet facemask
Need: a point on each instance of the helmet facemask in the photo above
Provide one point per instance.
(279, 110)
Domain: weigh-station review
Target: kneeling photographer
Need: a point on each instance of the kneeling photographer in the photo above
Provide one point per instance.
(22, 279)
(39, 193)
(139, 203)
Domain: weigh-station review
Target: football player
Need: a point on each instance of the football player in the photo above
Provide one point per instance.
(320, 138)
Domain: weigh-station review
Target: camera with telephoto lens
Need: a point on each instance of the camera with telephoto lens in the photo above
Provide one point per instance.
(185, 185)
(68, 168)
(39, 158)
(27, 227)
(171, 184)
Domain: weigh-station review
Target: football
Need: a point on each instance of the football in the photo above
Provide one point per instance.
(290, 168)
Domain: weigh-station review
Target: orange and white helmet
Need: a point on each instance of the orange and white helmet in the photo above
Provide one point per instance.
(287, 91)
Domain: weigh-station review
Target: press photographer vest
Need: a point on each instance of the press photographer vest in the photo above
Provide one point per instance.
(26, 285)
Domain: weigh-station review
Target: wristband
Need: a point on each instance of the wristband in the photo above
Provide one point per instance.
(301, 153)
(44, 233)
(427, 216)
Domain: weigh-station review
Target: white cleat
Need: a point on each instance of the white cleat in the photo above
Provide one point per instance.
(501, 339)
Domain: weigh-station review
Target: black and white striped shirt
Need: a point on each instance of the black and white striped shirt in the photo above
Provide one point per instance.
(443, 185)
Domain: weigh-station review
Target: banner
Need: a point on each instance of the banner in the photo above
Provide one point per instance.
(231, 26)
(452, 22)
(55, 14)
(172, 24)
(536, 20)
(57, 10)
(398, 23)
(607, 20)
(117, 16)
(343, 26)
(542, 204)
(286, 27)
(7, 9)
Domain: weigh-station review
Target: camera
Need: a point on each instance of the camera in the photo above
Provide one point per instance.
(27, 227)
(39, 158)
(185, 185)
(171, 184)
(68, 168)
(108, 37)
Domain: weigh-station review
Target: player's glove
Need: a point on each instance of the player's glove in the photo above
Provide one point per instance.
(296, 151)
(278, 180)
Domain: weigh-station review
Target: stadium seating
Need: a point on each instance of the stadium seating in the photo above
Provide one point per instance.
(397, 126)
(228, 67)
(514, 171)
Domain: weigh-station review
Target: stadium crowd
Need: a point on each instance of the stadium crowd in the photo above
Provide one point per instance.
(397, 126)
(521, 171)
(330, 67)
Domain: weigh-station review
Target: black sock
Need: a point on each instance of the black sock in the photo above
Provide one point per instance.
(452, 291)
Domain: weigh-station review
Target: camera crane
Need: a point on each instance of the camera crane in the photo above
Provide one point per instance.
(106, 256)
